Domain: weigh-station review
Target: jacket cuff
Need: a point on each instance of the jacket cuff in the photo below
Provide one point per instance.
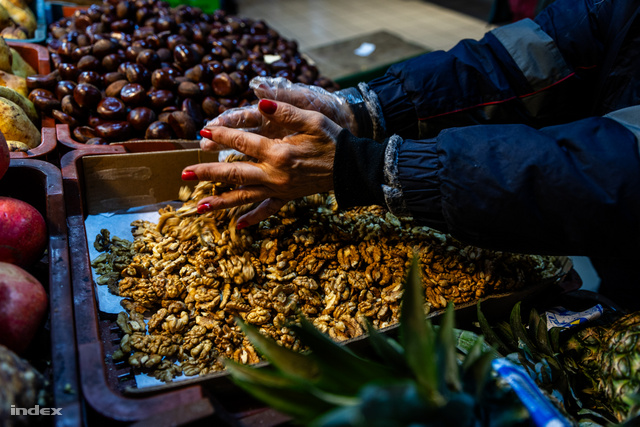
(358, 173)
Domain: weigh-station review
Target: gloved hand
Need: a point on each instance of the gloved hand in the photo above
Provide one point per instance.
(284, 169)
(338, 106)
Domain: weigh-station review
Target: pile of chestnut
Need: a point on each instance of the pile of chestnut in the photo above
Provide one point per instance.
(126, 70)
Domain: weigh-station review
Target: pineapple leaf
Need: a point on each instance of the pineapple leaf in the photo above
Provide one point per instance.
(477, 371)
(489, 333)
(538, 326)
(389, 350)
(474, 353)
(340, 370)
(542, 338)
(447, 354)
(519, 330)
(286, 360)
(283, 394)
(416, 334)
(554, 339)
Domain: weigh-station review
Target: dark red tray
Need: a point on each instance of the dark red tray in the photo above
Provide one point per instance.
(107, 386)
(40, 184)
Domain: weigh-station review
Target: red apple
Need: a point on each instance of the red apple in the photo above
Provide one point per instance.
(5, 157)
(23, 232)
(23, 304)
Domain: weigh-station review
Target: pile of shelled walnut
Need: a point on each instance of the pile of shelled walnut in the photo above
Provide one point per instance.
(191, 274)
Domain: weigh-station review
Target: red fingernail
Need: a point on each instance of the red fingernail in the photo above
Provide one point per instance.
(241, 225)
(205, 133)
(189, 176)
(268, 107)
(205, 207)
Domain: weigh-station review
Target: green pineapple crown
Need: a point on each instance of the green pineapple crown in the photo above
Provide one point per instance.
(419, 380)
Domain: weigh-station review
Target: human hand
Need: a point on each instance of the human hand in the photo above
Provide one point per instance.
(306, 97)
(296, 165)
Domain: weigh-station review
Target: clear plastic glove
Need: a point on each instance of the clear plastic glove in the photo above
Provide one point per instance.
(333, 105)
(287, 168)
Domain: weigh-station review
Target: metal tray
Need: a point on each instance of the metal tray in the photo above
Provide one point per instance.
(40, 184)
(110, 387)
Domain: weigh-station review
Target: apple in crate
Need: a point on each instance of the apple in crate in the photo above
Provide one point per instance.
(23, 304)
(23, 232)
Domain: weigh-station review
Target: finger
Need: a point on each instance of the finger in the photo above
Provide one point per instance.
(238, 197)
(281, 89)
(238, 118)
(238, 173)
(263, 211)
(295, 119)
(251, 144)
(209, 145)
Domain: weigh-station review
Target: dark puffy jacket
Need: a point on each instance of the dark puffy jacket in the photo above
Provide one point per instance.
(526, 140)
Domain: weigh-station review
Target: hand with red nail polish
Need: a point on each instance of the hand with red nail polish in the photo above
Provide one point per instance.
(334, 105)
(283, 169)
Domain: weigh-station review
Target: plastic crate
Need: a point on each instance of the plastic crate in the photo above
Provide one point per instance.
(40, 34)
(39, 183)
(38, 57)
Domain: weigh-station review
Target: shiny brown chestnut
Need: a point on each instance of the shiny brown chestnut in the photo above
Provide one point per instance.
(111, 77)
(149, 59)
(84, 133)
(43, 81)
(65, 87)
(90, 77)
(114, 131)
(114, 88)
(41, 92)
(104, 47)
(223, 85)
(183, 125)
(136, 73)
(163, 79)
(185, 56)
(189, 89)
(159, 130)
(161, 98)
(45, 104)
(69, 106)
(87, 95)
(112, 109)
(88, 63)
(111, 62)
(133, 94)
(141, 117)
(210, 107)
(64, 118)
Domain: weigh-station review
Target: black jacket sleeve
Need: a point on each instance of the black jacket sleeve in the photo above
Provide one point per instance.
(570, 189)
